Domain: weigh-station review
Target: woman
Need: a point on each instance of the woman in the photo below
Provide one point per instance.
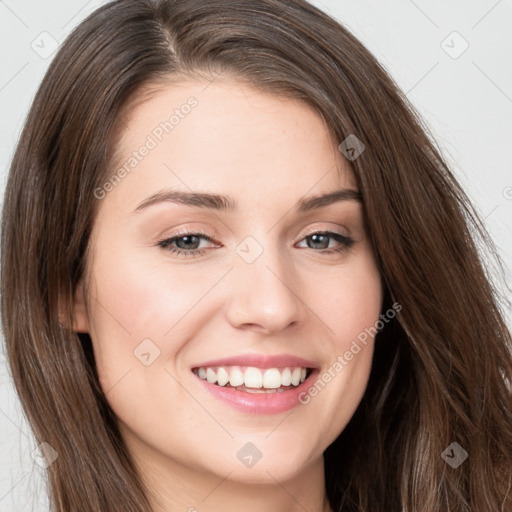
(332, 343)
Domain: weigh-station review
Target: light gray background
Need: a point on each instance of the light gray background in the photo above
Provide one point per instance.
(466, 101)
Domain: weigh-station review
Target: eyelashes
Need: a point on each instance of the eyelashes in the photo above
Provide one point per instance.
(193, 238)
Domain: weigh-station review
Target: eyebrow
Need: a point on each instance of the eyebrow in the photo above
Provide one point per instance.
(227, 204)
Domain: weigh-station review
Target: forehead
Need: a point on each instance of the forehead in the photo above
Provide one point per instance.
(228, 137)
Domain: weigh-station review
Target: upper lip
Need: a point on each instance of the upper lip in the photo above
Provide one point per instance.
(261, 361)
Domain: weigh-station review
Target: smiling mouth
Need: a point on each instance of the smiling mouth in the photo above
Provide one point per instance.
(254, 380)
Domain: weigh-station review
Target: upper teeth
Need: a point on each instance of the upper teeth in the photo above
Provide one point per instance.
(253, 377)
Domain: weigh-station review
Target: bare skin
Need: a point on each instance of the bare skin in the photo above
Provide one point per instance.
(266, 153)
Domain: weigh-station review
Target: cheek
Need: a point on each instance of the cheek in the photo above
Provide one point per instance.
(142, 299)
(134, 301)
(351, 312)
(351, 301)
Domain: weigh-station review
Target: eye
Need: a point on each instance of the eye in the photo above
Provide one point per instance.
(187, 244)
(321, 238)
(188, 241)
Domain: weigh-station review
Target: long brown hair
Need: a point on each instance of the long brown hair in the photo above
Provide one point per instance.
(442, 369)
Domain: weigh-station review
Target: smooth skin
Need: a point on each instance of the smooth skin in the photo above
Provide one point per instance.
(266, 152)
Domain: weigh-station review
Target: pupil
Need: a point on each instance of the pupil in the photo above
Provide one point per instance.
(315, 240)
(187, 238)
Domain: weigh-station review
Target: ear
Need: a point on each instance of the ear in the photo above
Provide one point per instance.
(80, 317)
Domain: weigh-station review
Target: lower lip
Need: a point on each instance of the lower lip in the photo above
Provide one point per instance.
(260, 403)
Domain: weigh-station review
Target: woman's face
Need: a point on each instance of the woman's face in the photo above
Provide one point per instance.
(260, 279)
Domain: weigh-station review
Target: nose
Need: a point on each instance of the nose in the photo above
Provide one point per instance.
(263, 295)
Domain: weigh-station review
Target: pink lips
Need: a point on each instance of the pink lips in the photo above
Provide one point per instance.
(260, 403)
(261, 361)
